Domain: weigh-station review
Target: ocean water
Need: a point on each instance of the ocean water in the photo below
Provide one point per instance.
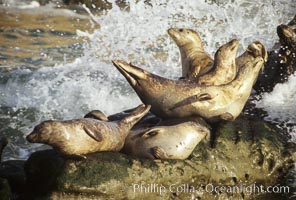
(61, 88)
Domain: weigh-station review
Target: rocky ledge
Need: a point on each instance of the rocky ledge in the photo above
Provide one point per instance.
(242, 153)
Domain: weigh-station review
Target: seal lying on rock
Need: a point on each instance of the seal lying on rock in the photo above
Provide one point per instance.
(83, 136)
(195, 60)
(224, 69)
(168, 139)
(165, 142)
(183, 98)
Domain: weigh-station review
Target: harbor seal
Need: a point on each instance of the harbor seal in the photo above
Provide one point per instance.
(287, 35)
(83, 136)
(282, 60)
(254, 50)
(183, 98)
(194, 57)
(165, 142)
(224, 69)
(195, 60)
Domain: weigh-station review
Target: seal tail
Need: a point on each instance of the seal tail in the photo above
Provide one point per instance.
(130, 120)
(129, 71)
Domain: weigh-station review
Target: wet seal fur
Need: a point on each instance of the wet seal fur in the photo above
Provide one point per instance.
(184, 98)
(165, 142)
(195, 60)
(83, 136)
(224, 69)
(166, 139)
(196, 63)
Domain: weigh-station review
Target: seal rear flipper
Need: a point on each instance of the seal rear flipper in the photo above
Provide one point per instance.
(93, 133)
(130, 120)
(192, 99)
(97, 114)
(227, 116)
(159, 153)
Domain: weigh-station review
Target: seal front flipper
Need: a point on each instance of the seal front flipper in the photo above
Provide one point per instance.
(159, 153)
(97, 114)
(93, 133)
(192, 99)
(151, 133)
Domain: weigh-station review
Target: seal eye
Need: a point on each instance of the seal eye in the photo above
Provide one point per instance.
(181, 30)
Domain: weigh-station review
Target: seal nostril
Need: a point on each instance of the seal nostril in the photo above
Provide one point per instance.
(30, 137)
(181, 30)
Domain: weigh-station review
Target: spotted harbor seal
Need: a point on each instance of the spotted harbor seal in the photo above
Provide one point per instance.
(183, 98)
(165, 142)
(82, 136)
(195, 60)
(224, 69)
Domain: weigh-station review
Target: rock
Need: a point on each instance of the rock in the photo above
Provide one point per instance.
(13, 171)
(245, 151)
(282, 59)
(5, 192)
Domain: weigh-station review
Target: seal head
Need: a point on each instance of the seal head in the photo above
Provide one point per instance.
(287, 35)
(224, 69)
(195, 60)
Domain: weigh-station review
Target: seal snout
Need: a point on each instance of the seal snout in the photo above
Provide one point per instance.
(31, 137)
(172, 31)
(174, 34)
(234, 44)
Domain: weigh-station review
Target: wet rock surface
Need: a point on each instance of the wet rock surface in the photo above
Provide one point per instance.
(246, 151)
(13, 172)
(5, 192)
